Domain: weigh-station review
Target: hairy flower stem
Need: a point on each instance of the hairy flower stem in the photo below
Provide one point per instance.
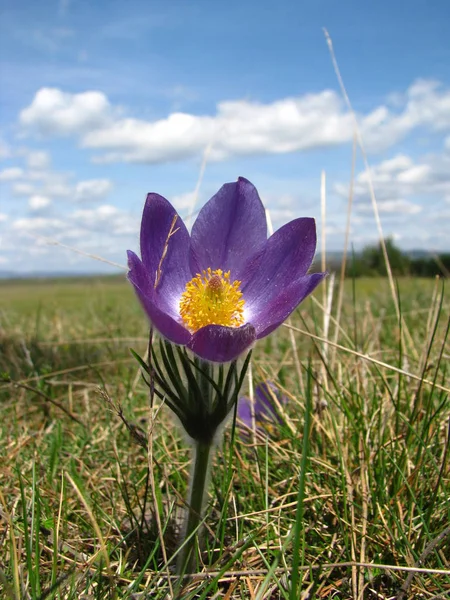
(197, 494)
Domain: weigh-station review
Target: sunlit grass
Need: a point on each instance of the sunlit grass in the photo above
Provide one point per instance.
(77, 502)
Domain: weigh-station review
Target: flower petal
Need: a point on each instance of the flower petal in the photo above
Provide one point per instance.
(264, 405)
(164, 250)
(244, 411)
(217, 343)
(163, 322)
(287, 256)
(229, 230)
(277, 308)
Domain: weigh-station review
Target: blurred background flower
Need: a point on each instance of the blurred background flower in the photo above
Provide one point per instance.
(264, 410)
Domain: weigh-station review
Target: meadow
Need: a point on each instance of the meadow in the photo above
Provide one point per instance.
(349, 494)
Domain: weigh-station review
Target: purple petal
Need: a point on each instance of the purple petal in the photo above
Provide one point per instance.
(287, 257)
(230, 229)
(278, 308)
(288, 254)
(244, 410)
(163, 322)
(217, 343)
(164, 250)
(265, 405)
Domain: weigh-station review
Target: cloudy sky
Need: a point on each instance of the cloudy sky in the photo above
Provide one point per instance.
(102, 102)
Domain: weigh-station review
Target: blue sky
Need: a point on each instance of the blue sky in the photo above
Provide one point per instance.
(102, 102)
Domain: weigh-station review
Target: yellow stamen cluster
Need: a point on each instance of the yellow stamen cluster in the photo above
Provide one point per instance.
(210, 299)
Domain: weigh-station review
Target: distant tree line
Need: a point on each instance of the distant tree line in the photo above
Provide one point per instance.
(370, 263)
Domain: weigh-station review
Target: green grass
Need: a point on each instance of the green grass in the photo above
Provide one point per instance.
(369, 486)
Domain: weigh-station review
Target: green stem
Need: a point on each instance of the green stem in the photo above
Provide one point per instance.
(197, 494)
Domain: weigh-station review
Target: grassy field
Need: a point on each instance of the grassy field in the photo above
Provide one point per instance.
(362, 503)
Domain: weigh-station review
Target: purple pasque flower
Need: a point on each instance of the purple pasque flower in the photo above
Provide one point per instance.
(264, 409)
(224, 286)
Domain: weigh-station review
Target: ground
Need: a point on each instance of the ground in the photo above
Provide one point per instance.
(363, 497)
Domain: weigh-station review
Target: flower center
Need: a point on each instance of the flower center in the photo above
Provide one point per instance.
(210, 299)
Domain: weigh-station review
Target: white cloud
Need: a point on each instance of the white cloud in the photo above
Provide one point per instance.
(398, 163)
(23, 189)
(103, 212)
(107, 219)
(57, 188)
(11, 174)
(184, 202)
(42, 225)
(400, 178)
(54, 185)
(3, 217)
(288, 125)
(399, 205)
(53, 112)
(41, 182)
(429, 104)
(238, 128)
(280, 208)
(37, 203)
(415, 174)
(92, 190)
(38, 159)
(425, 104)
(88, 228)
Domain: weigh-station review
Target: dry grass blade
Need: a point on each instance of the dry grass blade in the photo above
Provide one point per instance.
(103, 549)
(370, 359)
(371, 187)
